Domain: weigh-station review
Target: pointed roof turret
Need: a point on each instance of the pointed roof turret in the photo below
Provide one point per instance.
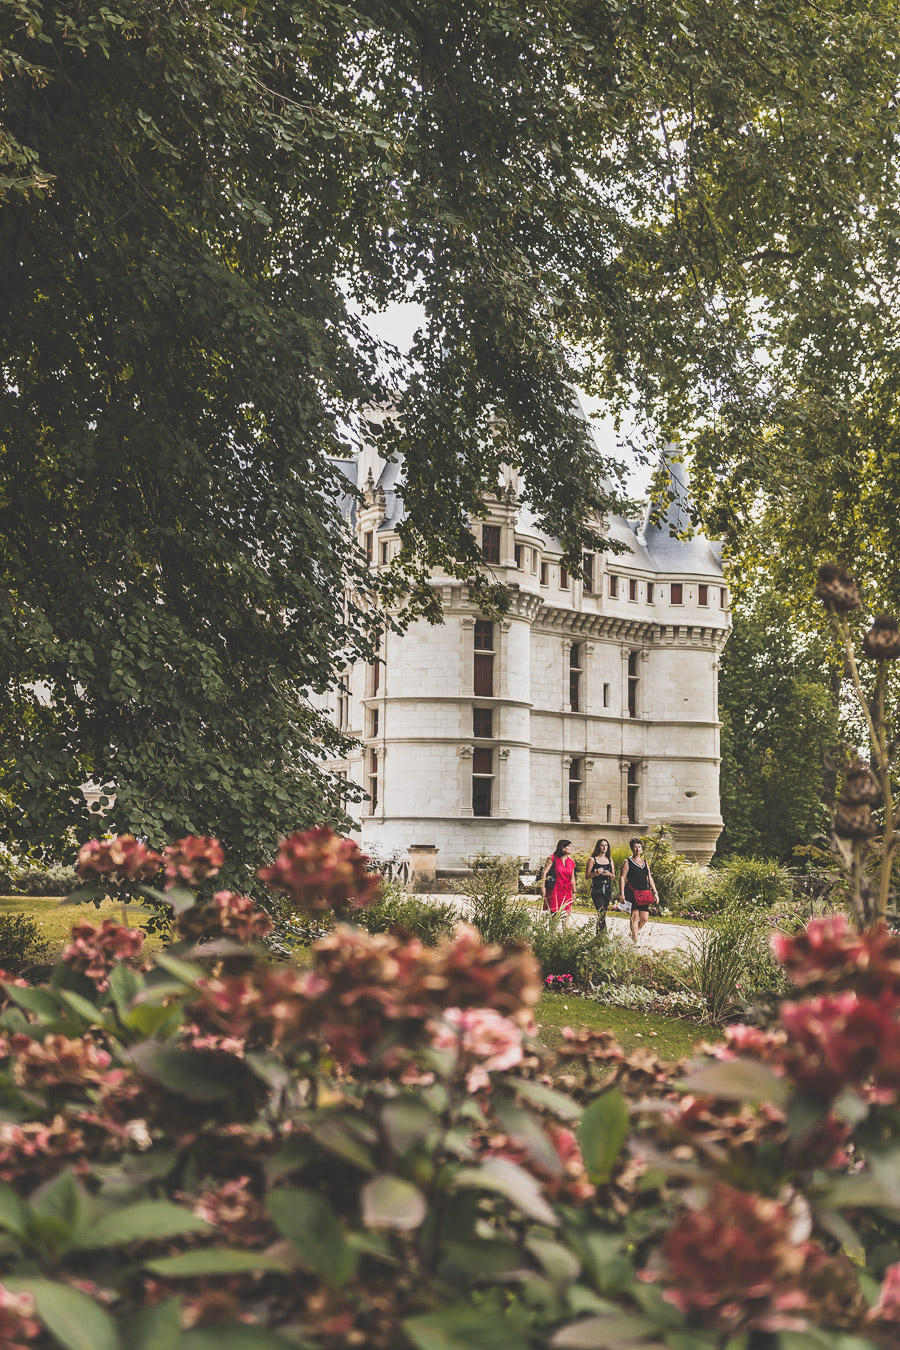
(667, 530)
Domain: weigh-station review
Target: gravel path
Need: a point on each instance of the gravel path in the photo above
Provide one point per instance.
(654, 937)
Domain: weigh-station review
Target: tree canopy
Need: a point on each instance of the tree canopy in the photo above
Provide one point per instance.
(195, 200)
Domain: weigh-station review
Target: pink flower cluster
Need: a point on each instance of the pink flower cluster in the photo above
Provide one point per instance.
(841, 1040)
(266, 1004)
(828, 955)
(123, 857)
(226, 916)
(36, 1149)
(740, 1260)
(888, 1306)
(192, 859)
(484, 1042)
(17, 1322)
(559, 982)
(56, 1061)
(94, 951)
(319, 870)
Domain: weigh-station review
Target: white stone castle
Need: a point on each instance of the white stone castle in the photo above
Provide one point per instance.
(589, 709)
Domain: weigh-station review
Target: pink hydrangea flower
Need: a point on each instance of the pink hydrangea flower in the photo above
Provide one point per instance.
(17, 1321)
(94, 951)
(484, 1040)
(192, 859)
(122, 857)
(888, 1306)
(319, 870)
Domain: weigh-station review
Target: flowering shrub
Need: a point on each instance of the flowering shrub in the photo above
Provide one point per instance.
(563, 983)
(211, 1147)
(318, 870)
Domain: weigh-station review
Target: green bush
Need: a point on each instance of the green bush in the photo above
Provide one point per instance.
(757, 883)
(726, 961)
(397, 911)
(682, 885)
(491, 888)
(578, 952)
(22, 943)
(45, 881)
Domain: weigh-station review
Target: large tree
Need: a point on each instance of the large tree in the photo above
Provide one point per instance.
(622, 194)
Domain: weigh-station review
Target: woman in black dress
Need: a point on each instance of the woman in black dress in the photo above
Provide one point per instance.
(601, 873)
(638, 886)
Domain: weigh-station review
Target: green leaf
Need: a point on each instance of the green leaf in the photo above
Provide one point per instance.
(196, 1074)
(213, 1261)
(602, 1131)
(181, 970)
(524, 1131)
(156, 1328)
(342, 1139)
(612, 1332)
(124, 985)
(293, 1156)
(91, 890)
(508, 1179)
(556, 1102)
(464, 1328)
(392, 1202)
(232, 1337)
(85, 1009)
(36, 1001)
(13, 1211)
(64, 1200)
(560, 1264)
(482, 1259)
(77, 1322)
(310, 1226)
(407, 1121)
(145, 1221)
(742, 1080)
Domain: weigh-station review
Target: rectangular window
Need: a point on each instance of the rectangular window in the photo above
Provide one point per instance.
(575, 790)
(723, 597)
(702, 595)
(373, 721)
(575, 677)
(632, 684)
(482, 780)
(544, 570)
(518, 551)
(343, 706)
(563, 578)
(677, 593)
(649, 592)
(481, 796)
(490, 543)
(632, 588)
(370, 546)
(483, 723)
(613, 585)
(588, 562)
(606, 696)
(633, 793)
(385, 552)
(609, 813)
(373, 780)
(484, 659)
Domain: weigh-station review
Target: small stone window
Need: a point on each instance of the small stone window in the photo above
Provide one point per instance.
(677, 593)
(588, 564)
(613, 586)
(633, 679)
(490, 543)
(482, 781)
(632, 588)
(484, 659)
(575, 672)
(370, 546)
(483, 723)
(563, 578)
(544, 574)
(373, 780)
(575, 783)
(633, 788)
(702, 595)
(649, 592)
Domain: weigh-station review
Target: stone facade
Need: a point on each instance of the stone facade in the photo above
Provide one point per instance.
(590, 709)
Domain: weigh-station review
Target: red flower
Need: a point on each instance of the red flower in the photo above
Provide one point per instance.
(319, 870)
(122, 857)
(888, 1306)
(829, 955)
(840, 1040)
(94, 951)
(735, 1262)
(192, 859)
(226, 916)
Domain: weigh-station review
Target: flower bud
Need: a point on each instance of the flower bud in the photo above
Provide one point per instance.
(854, 822)
(860, 785)
(882, 641)
(837, 588)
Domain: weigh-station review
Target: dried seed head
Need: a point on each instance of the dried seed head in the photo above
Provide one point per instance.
(837, 588)
(860, 785)
(882, 641)
(854, 822)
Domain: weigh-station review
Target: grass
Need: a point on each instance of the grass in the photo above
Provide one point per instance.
(669, 1037)
(56, 919)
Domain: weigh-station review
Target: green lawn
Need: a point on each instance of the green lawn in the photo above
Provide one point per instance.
(669, 1037)
(56, 919)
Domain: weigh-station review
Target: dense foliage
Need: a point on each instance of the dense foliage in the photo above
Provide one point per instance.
(209, 1149)
(196, 201)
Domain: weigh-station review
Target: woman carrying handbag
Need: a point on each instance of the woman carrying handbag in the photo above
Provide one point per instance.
(557, 880)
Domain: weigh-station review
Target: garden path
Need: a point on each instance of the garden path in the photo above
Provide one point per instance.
(655, 937)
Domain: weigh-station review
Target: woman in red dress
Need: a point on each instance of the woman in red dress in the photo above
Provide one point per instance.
(558, 880)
